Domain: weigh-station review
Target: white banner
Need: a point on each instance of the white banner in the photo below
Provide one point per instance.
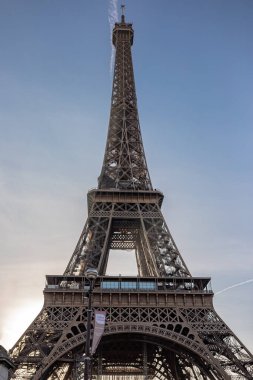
(98, 329)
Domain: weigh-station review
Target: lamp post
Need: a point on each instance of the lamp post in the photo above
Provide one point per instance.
(91, 274)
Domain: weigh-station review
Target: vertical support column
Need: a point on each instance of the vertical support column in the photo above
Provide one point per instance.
(103, 261)
(91, 275)
(100, 365)
(149, 256)
(87, 364)
(145, 361)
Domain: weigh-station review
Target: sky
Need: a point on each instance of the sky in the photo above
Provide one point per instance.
(193, 62)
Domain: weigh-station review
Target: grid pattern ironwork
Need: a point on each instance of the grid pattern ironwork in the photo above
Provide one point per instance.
(159, 325)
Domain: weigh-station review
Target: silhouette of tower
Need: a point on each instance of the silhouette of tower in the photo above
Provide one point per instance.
(160, 324)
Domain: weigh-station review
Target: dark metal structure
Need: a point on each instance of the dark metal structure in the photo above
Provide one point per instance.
(160, 324)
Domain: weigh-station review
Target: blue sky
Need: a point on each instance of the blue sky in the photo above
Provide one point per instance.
(193, 63)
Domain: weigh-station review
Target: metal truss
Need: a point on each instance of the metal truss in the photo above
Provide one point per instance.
(159, 325)
(182, 341)
(130, 225)
(124, 165)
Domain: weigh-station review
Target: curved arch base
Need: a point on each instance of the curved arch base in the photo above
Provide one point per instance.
(148, 357)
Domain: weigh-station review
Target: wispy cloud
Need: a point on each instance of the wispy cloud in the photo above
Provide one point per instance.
(234, 286)
(112, 17)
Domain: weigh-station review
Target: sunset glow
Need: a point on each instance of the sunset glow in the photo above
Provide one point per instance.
(18, 321)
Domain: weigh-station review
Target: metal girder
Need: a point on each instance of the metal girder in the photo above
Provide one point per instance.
(159, 325)
(124, 165)
(139, 226)
(203, 344)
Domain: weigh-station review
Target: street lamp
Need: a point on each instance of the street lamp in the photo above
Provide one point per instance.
(91, 274)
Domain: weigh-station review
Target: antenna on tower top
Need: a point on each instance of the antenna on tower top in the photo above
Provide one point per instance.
(123, 6)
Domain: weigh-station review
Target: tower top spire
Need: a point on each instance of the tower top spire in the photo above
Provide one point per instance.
(123, 7)
(124, 166)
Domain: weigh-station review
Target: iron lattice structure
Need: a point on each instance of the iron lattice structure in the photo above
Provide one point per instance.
(160, 324)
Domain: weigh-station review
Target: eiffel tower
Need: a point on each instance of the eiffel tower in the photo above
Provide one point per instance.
(160, 324)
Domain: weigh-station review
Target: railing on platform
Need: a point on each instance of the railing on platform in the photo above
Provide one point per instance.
(129, 284)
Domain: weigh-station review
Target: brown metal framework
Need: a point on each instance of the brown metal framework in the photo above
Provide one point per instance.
(160, 324)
